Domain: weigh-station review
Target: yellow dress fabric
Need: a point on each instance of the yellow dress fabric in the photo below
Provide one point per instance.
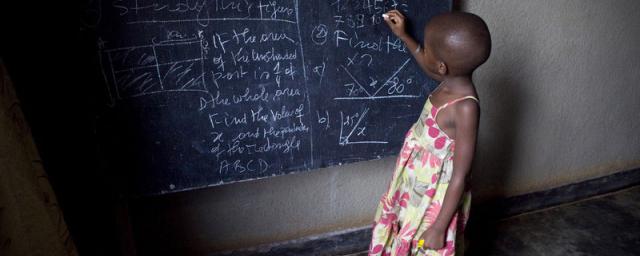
(416, 191)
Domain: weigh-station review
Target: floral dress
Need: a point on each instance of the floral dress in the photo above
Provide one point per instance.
(416, 191)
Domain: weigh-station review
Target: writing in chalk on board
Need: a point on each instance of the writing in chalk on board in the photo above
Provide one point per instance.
(208, 92)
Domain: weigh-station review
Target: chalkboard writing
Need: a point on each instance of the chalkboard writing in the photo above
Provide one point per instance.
(207, 92)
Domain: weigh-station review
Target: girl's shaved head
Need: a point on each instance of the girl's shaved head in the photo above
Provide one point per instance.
(460, 40)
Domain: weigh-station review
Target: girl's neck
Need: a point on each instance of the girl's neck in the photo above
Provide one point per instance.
(454, 81)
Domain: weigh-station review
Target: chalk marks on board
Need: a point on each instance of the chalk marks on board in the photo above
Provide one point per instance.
(257, 87)
(356, 129)
(395, 87)
(168, 66)
(319, 34)
(256, 60)
(351, 32)
(204, 12)
(252, 104)
(319, 70)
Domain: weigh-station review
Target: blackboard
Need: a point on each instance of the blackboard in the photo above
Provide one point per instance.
(208, 92)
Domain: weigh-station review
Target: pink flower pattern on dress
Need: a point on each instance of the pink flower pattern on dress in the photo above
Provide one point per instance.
(432, 213)
(448, 249)
(405, 236)
(439, 143)
(426, 156)
(433, 160)
(376, 249)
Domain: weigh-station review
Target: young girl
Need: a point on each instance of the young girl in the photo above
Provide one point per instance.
(426, 205)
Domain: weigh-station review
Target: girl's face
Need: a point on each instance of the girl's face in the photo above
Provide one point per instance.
(434, 67)
(430, 59)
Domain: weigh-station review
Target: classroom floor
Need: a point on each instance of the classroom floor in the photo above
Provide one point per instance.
(602, 225)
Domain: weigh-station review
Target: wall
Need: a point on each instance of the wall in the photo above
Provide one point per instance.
(31, 222)
(560, 93)
(559, 99)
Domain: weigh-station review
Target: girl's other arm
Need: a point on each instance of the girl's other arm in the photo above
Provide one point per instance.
(466, 120)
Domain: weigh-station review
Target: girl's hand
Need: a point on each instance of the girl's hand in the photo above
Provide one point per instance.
(433, 238)
(395, 20)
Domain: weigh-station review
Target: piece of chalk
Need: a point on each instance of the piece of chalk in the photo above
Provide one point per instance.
(384, 15)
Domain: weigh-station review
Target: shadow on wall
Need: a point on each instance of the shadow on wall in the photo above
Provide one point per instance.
(502, 91)
(493, 162)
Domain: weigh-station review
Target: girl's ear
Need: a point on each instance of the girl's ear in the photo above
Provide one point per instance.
(442, 68)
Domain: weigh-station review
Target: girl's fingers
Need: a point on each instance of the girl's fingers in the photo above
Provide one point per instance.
(393, 14)
(389, 14)
(389, 22)
(397, 16)
(392, 19)
(397, 13)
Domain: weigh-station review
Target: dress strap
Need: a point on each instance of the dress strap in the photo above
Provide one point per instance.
(452, 102)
